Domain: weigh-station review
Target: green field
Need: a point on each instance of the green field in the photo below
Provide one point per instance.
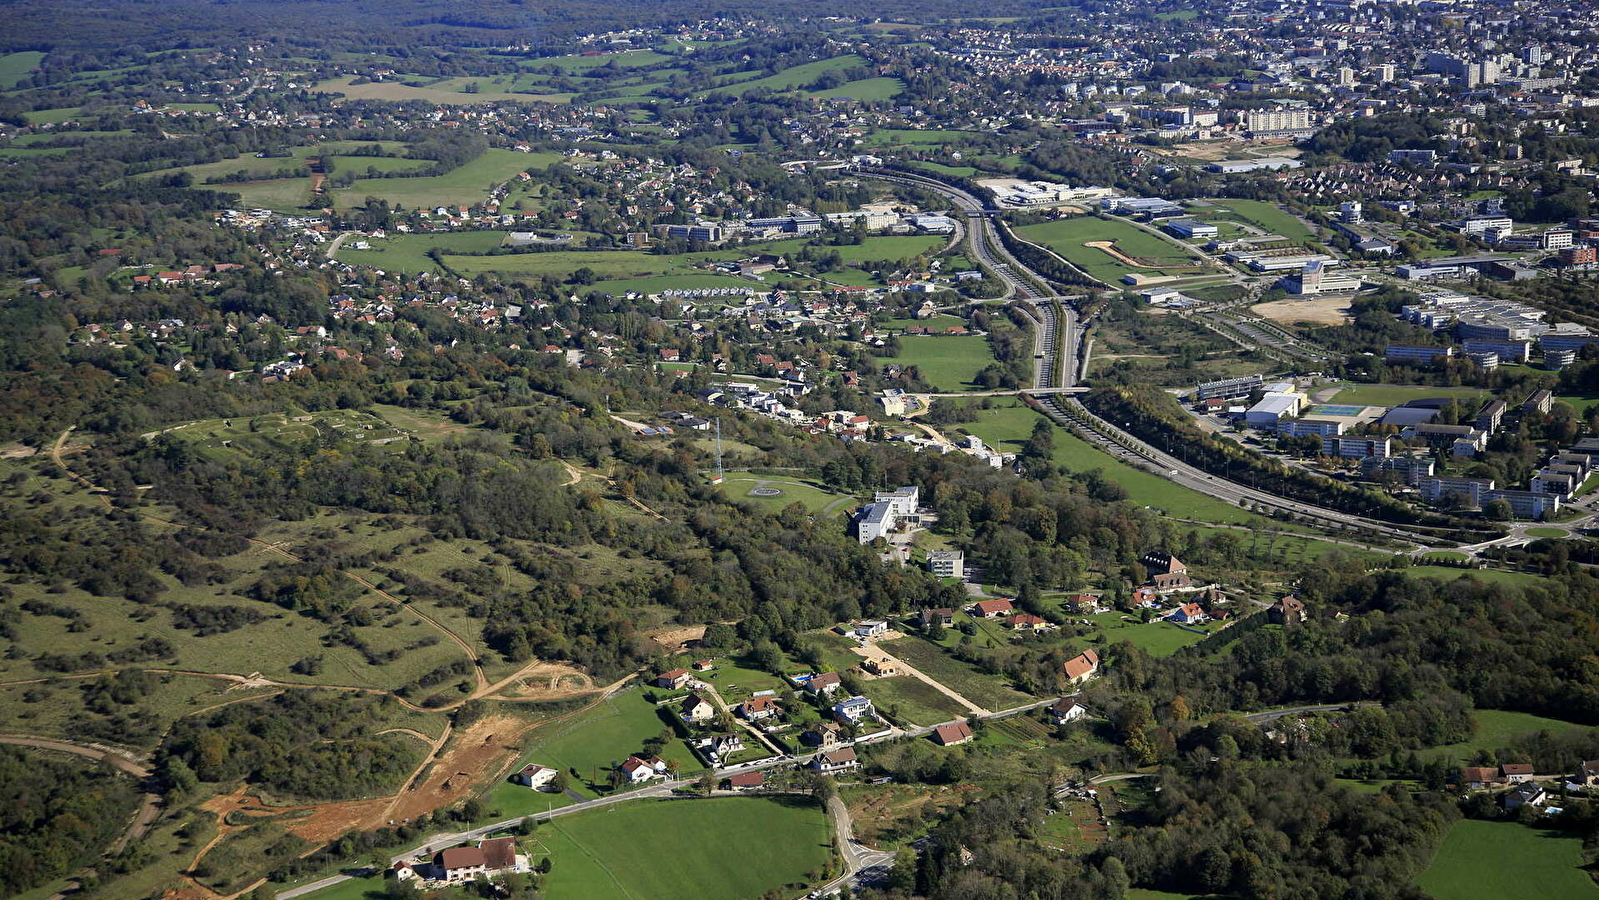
(931, 137)
(1496, 728)
(408, 252)
(911, 701)
(867, 89)
(1400, 394)
(15, 66)
(1269, 217)
(282, 194)
(1548, 532)
(1156, 255)
(52, 116)
(466, 185)
(599, 738)
(579, 64)
(791, 78)
(947, 362)
(354, 889)
(1158, 638)
(816, 499)
(987, 691)
(721, 849)
(1492, 576)
(1497, 860)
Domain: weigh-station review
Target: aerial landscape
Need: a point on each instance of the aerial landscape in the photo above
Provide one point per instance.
(1127, 449)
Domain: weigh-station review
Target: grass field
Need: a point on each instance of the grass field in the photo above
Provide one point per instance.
(1548, 532)
(52, 116)
(1400, 394)
(948, 363)
(815, 499)
(1158, 638)
(1496, 728)
(450, 91)
(282, 194)
(911, 701)
(867, 89)
(601, 737)
(464, 186)
(408, 252)
(931, 137)
(791, 78)
(15, 66)
(1492, 576)
(1067, 236)
(721, 849)
(354, 889)
(1269, 217)
(1496, 860)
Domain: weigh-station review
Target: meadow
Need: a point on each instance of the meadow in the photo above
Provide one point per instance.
(463, 186)
(987, 691)
(1491, 576)
(947, 362)
(867, 89)
(790, 78)
(599, 738)
(815, 499)
(1399, 395)
(717, 849)
(1494, 860)
(15, 66)
(1268, 216)
(449, 91)
(408, 252)
(1497, 728)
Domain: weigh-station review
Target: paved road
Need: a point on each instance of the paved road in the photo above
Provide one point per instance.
(1272, 715)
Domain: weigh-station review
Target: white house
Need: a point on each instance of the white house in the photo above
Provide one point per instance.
(535, 776)
(695, 709)
(871, 628)
(854, 710)
(839, 760)
(1066, 709)
(639, 770)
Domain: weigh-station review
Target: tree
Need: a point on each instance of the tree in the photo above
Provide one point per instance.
(1498, 510)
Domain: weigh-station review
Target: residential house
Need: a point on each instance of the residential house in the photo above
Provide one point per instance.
(824, 735)
(992, 609)
(757, 709)
(1081, 667)
(1587, 774)
(1170, 582)
(638, 770)
(1476, 778)
(535, 776)
(951, 734)
(1290, 610)
(674, 680)
(1029, 622)
(1526, 794)
(1083, 604)
(942, 618)
(499, 855)
(841, 760)
(746, 781)
(1066, 709)
(696, 710)
(1187, 614)
(1516, 773)
(824, 684)
(1157, 562)
(870, 629)
(721, 746)
(703, 665)
(1145, 596)
(854, 710)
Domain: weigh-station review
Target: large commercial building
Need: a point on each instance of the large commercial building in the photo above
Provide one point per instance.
(1410, 469)
(1351, 447)
(1229, 388)
(1469, 491)
(1274, 407)
(1413, 354)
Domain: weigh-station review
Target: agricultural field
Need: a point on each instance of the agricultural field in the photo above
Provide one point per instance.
(1494, 860)
(53, 116)
(947, 362)
(1155, 256)
(15, 66)
(408, 252)
(867, 89)
(464, 186)
(911, 701)
(790, 78)
(1158, 638)
(1497, 728)
(449, 91)
(988, 691)
(717, 849)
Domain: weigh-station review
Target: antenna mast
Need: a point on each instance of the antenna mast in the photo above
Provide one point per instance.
(719, 474)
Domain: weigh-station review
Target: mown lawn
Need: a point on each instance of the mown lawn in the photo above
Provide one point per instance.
(720, 849)
(1498, 860)
(815, 499)
(1399, 395)
(1269, 217)
(1067, 237)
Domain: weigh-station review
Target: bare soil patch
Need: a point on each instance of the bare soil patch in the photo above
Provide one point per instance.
(1322, 311)
(473, 758)
(679, 638)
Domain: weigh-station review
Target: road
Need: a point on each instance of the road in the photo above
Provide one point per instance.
(1272, 715)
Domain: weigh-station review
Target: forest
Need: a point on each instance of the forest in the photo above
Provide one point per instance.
(56, 815)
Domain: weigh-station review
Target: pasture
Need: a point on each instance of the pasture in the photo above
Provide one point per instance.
(1493, 860)
(600, 738)
(465, 185)
(15, 66)
(718, 849)
(447, 92)
(790, 78)
(1497, 728)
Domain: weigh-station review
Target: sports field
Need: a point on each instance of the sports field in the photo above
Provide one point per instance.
(718, 849)
(1499, 860)
(1268, 216)
(1067, 237)
(947, 362)
(1400, 394)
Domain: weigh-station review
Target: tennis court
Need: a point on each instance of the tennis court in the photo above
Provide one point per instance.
(1337, 409)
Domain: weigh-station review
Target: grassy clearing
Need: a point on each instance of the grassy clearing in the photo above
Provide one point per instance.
(354, 889)
(1158, 638)
(15, 66)
(449, 91)
(1497, 728)
(1400, 394)
(1492, 576)
(595, 741)
(867, 89)
(580, 64)
(930, 137)
(52, 116)
(737, 847)
(1155, 255)
(466, 185)
(409, 252)
(1492, 860)
(282, 194)
(947, 362)
(911, 701)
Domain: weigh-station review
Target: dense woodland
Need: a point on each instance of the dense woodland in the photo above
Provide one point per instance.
(55, 815)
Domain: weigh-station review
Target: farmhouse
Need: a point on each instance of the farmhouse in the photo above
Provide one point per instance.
(1081, 667)
(952, 734)
(535, 776)
(1066, 709)
(459, 864)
